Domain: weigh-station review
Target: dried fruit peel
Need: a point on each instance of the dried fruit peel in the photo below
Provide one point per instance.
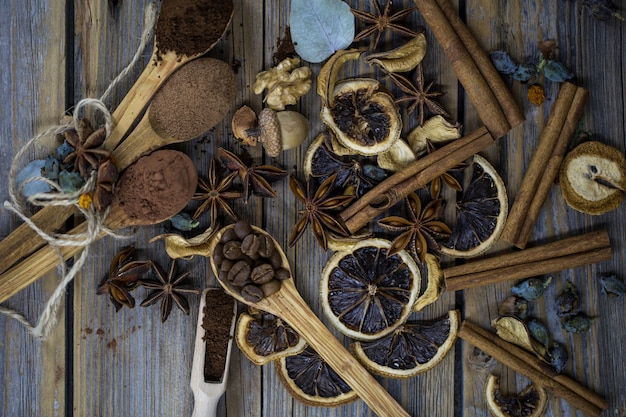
(397, 157)
(434, 287)
(329, 73)
(177, 246)
(436, 129)
(403, 58)
(593, 178)
(514, 330)
(538, 401)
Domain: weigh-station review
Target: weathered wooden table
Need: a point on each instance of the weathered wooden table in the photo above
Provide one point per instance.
(102, 363)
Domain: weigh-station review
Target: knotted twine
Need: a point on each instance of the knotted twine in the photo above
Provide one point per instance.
(95, 221)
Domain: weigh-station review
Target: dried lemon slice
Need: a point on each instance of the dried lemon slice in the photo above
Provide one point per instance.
(531, 402)
(364, 119)
(593, 178)
(410, 350)
(267, 338)
(367, 294)
(310, 380)
(481, 213)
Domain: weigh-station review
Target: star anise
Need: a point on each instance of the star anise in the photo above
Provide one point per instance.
(445, 178)
(419, 95)
(317, 211)
(168, 290)
(421, 231)
(255, 179)
(215, 193)
(87, 144)
(382, 21)
(123, 277)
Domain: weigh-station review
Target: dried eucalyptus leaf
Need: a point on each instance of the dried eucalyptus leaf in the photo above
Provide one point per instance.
(319, 28)
(515, 331)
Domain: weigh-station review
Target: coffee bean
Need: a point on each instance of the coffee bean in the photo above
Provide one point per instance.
(262, 274)
(266, 247)
(252, 293)
(222, 275)
(250, 245)
(239, 273)
(282, 274)
(242, 229)
(228, 235)
(276, 260)
(232, 250)
(218, 253)
(270, 287)
(225, 265)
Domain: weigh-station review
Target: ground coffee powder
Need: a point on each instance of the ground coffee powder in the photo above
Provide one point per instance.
(216, 321)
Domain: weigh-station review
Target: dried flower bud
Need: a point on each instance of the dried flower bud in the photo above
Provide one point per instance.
(557, 72)
(525, 73)
(503, 62)
(558, 357)
(532, 288)
(612, 286)
(580, 323)
(568, 302)
(539, 332)
(536, 94)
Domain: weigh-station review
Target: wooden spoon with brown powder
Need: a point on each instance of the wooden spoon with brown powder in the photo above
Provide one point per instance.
(150, 191)
(193, 100)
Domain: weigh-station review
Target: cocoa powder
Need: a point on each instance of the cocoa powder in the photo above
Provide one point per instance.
(195, 98)
(156, 187)
(191, 27)
(216, 322)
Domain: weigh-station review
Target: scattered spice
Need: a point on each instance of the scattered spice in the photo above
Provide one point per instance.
(216, 192)
(418, 95)
(191, 27)
(602, 9)
(216, 322)
(536, 94)
(87, 144)
(382, 20)
(284, 48)
(168, 289)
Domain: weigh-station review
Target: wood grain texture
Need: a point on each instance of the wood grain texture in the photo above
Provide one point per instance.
(130, 364)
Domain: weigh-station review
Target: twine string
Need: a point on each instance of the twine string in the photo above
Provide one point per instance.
(95, 221)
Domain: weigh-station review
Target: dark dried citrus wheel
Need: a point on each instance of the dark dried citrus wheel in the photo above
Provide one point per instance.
(312, 381)
(531, 402)
(480, 212)
(367, 294)
(410, 350)
(266, 338)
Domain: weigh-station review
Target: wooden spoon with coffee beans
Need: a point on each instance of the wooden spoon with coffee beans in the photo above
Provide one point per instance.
(150, 191)
(287, 304)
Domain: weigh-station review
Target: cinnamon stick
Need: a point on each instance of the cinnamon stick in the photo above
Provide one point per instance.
(414, 176)
(545, 163)
(475, 73)
(555, 256)
(512, 111)
(531, 367)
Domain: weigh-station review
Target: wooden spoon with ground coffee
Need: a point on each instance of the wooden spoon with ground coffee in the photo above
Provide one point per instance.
(185, 30)
(193, 100)
(287, 304)
(150, 191)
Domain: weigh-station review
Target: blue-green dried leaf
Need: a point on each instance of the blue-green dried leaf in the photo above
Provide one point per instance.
(34, 169)
(539, 332)
(532, 288)
(64, 150)
(525, 73)
(580, 323)
(612, 286)
(557, 72)
(70, 182)
(51, 168)
(319, 28)
(558, 357)
(183, 222)
(503, 62)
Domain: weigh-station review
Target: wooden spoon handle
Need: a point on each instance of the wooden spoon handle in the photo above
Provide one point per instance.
(289, 305)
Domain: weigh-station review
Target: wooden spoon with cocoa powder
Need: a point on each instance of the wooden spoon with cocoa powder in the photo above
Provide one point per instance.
(150, 191)
(289, 305)
(193, 100)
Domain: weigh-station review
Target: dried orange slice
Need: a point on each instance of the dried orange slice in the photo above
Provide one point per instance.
(411, 349)
(266, 338)
(481, 212)
(531, 402)
(367, 294)
(311, 381)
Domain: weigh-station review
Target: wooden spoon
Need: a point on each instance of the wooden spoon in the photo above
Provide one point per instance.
(207, 394)
(163, 63)
(152, 190)
(211, 92)
(287, 304)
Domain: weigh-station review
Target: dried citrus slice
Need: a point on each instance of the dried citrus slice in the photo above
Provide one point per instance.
(410, 350)
(367, 294)
(311, 381)
(481, 212)
(363, 118)
(266, 338)
(593, 178)
(531, 402)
